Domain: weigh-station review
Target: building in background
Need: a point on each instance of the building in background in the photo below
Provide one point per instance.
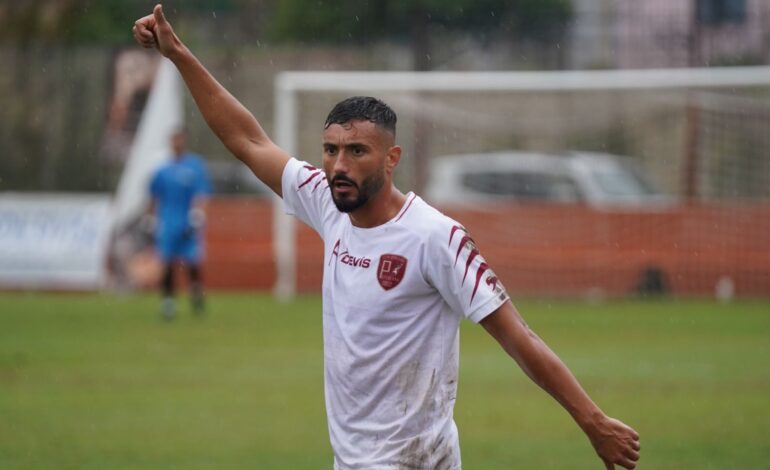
(669, 33)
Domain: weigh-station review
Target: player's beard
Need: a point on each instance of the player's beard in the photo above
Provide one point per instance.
(368, 188)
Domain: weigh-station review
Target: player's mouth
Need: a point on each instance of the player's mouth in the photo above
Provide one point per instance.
(343, 185)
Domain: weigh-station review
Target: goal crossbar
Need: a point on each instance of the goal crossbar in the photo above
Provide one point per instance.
(524, 81)
(289, 84)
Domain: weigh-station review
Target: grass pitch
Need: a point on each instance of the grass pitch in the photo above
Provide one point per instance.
(94, 382)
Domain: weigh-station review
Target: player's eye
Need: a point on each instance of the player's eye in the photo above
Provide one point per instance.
(358, 150)
(330, 150)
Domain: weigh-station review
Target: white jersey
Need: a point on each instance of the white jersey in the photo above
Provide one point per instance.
(393, 297)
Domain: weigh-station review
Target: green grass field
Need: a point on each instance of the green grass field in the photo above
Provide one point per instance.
(98, 382)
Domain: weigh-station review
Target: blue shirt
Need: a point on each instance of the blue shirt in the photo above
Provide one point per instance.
(174, 187)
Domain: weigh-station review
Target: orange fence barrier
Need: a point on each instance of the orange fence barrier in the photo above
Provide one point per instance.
(541, 249)
(239, 244)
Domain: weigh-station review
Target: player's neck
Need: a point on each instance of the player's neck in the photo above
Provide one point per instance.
(380, 209)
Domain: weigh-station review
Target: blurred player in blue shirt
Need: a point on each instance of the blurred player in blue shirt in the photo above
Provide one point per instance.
(179, 191)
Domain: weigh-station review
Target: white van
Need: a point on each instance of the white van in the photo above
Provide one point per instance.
(596, 179)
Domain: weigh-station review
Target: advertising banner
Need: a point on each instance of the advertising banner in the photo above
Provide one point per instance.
(56, 241)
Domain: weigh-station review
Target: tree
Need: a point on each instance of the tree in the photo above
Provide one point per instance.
(103, 22)
(357, 21)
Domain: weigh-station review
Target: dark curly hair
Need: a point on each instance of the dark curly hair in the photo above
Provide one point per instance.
(362, 108)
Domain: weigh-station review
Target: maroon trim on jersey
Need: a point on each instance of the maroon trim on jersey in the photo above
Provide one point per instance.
(335, 252)
(463, 241)
(474, 253)
(492, 282)
(454, 229)
(480, 272)
(310, 178)
(318, 184)
(406, 208)
(309, 167)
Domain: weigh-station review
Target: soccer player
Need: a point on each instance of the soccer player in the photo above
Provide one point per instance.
(179, 190)
(398, 278)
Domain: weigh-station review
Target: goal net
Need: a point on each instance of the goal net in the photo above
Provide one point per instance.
(531, 162)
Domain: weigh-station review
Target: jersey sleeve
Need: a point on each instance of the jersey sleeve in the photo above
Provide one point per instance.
(306, 194)
(462, 276)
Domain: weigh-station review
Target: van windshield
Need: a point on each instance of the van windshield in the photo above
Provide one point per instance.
(619, 181)
(523, 185)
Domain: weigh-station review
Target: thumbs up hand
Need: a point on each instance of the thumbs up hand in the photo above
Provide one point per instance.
(155, 31)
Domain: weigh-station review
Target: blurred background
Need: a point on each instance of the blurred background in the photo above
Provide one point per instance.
(609, 157)
(599, 192)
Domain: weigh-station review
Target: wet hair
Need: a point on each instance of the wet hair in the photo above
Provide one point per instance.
(362, 108)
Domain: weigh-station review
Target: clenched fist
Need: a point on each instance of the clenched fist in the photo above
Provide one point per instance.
(154, 31)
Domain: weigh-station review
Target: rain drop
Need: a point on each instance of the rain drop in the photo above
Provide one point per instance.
(214, 14)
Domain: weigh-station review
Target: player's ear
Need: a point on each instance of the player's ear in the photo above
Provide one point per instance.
(392, 158)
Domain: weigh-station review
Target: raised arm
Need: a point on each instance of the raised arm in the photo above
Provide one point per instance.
(615, 442)
(233, 124)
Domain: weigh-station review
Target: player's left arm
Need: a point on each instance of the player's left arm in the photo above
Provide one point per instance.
(198, 210)
(197, 216)
(148, 220)
(615, 442)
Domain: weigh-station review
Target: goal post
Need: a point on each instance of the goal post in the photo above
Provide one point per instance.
(293, 82)
(291, 87)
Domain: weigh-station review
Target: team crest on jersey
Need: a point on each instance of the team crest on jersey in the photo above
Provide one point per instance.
(391, 270)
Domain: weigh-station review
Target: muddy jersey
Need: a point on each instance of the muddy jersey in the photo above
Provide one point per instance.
(393, 298)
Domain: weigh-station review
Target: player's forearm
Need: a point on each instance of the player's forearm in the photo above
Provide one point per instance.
(614, 441)
(545, 368)
(541, 364)
(232, 123)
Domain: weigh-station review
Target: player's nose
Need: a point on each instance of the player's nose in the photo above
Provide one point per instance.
(341, 164)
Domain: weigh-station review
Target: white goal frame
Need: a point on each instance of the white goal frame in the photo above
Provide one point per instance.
(288, 84)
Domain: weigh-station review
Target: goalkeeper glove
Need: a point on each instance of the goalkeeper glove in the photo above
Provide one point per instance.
(196, 218)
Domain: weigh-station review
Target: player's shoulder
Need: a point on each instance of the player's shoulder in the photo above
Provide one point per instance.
(302, 168)
(304, 177)
(163, 169)
(431, 223)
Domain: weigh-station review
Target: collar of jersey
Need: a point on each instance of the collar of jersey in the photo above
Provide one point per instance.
(410, 197)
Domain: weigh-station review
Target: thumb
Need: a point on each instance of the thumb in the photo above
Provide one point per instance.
(158, 14)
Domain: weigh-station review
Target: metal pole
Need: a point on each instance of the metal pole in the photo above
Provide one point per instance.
(284, 243)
